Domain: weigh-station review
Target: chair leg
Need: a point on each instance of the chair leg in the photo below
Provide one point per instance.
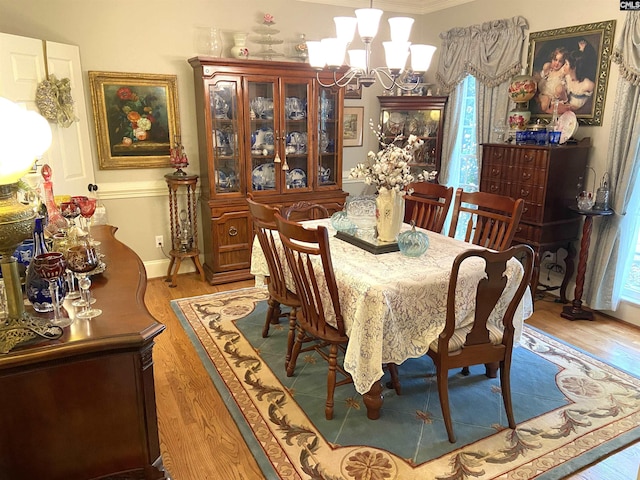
(465, 371)
(491, 369)
(395, 381)
(331, 381)
(296, 351)
(505, 385)
(442, 379)
(273, 314)
(291, 337)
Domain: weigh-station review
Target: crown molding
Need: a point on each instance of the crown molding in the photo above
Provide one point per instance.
(415, 7)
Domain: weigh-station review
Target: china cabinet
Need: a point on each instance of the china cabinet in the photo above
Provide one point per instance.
(267, 130)
(548, 178)
(422, 116)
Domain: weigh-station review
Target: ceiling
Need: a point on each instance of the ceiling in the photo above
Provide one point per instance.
(415, 7)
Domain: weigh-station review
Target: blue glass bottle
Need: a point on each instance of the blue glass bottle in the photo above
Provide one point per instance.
(36, 287)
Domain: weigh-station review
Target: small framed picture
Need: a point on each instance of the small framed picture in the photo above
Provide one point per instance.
(353, 90)
(352, 133)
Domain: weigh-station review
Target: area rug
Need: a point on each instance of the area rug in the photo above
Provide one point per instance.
(571, 408)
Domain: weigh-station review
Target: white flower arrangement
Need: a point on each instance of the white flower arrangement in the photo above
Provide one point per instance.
(389, 167)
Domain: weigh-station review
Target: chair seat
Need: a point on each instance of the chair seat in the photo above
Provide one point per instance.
(460, 335)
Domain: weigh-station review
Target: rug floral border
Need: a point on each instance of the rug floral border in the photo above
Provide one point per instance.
(296, 449)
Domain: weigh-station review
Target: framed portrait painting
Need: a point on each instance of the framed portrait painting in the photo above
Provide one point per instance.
(571, 67)
(353, 120)
(136, 118)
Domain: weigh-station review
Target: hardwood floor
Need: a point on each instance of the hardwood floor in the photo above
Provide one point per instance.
(200, 440)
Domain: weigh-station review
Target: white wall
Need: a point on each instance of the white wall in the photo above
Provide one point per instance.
(159, 37)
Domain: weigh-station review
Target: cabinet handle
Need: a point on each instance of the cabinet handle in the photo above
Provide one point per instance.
(528, 158)
(525, 210)
(526, 175)
(524, 193)
(233, 231)
(495, 171)
(497, 154)
(494, 188)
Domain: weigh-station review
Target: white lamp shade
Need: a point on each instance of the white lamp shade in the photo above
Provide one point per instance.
(358, 59)
(345, 28)
(24, 136)
(421, 56)
(400, 28)
(316, 54)
(396, 54)
(368, 22)
(333, 50)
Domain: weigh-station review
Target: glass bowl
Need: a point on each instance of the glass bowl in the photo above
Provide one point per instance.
(361, 211)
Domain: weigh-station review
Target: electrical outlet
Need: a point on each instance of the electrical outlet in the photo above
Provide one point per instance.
(159, 241)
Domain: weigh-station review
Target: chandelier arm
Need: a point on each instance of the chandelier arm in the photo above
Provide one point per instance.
(338, 82)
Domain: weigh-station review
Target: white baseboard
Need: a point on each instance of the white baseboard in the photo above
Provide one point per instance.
(158, 268)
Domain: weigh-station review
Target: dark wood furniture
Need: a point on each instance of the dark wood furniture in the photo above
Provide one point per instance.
(428, 205)
(487, 219)
(422, 116)
(479, 342)
(575, 310)
(83, 407)
(182, 248)
(548, 178)
(267, 130)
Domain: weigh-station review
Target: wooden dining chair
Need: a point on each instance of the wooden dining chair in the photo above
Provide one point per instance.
(489, 220)
(301, 246)
(265, 226)
(428, 205)
(304, 210)
(481, 342)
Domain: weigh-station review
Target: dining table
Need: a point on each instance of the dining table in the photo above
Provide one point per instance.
(394, 306)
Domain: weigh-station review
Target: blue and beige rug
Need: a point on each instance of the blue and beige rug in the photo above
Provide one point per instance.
(571, 408)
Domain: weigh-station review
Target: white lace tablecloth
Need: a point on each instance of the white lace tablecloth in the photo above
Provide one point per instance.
(394, 306)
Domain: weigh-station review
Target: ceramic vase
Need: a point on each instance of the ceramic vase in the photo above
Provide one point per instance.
(239, 49)
(389, 214)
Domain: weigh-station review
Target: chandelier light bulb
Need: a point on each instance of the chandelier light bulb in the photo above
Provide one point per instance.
(358, 59)
(316, 54)
(400, 28)
(345, 28)
(368, 22)
(396, 54)
(333, 50)
(421, 56)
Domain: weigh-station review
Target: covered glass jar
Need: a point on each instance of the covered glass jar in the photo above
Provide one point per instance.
(413, 243)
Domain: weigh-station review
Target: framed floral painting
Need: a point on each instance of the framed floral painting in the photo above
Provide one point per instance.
(136, 118)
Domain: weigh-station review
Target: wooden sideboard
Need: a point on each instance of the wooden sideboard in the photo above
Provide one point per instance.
(83, 406)
(548, 178)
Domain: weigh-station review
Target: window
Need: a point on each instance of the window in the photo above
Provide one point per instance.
(631, 270)
(464, 167)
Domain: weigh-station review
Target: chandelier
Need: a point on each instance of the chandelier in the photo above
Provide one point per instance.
(330, 52)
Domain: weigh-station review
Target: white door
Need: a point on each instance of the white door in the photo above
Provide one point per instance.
(22, 67)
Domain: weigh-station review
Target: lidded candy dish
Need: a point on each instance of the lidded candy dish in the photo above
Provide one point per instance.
(413, 243)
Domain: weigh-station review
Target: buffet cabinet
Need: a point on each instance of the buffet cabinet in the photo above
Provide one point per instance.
(422, 116)
(83, 406)
(269, 131)
(548, 178)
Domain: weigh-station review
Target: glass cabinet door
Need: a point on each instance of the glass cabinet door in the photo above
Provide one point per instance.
(328, 137)
(297, 138)
(262, 115)
(224, 133)
(424, 123)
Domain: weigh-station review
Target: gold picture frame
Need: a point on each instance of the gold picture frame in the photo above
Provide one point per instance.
(591, 47)
(353, 90)
(136, 118)
(352, 130)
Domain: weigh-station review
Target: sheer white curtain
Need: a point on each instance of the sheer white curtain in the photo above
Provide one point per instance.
(615, 241)
(492, 53)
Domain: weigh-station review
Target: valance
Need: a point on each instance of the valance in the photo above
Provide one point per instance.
(491, 52)
(627, 51)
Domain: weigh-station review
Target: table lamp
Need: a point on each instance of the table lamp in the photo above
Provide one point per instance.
(24, 136)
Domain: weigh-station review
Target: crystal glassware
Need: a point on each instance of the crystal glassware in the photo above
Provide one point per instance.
(51, 266)
(87, 209)
(82, 259)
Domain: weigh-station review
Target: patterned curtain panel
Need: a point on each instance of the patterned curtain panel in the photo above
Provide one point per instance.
(615, 244)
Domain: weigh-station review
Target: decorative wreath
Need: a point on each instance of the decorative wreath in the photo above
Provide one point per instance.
(53, 98)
